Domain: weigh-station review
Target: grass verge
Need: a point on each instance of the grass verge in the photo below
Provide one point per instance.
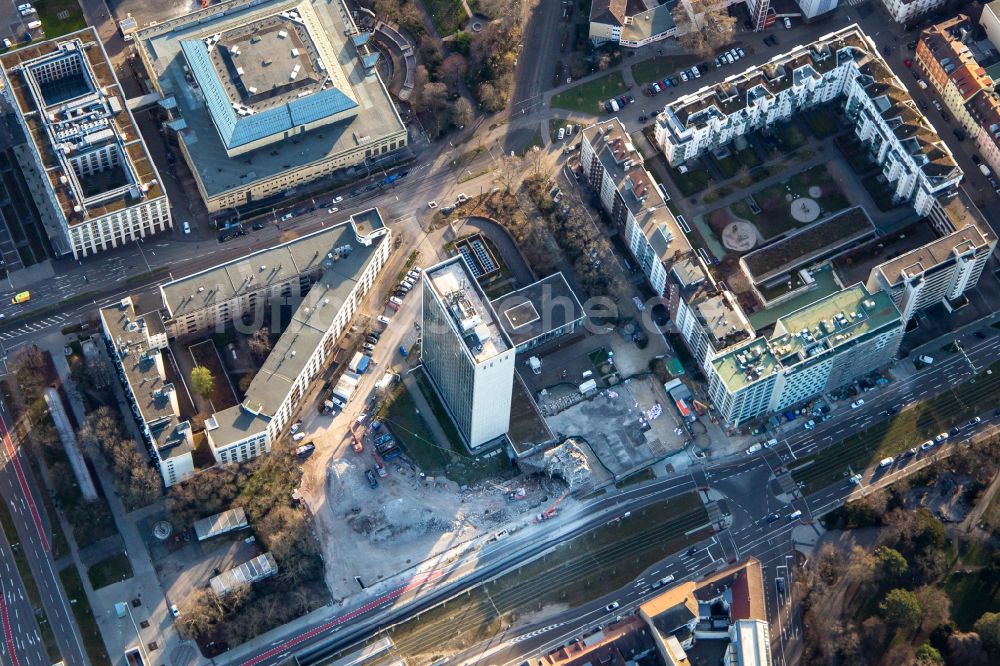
(588, 97)
(446, 15)
(971, 595)
(110, 570)
(60, 17)
(92, 641)
(903, 431)
(576, 572)
(660, 67)
(30, 587)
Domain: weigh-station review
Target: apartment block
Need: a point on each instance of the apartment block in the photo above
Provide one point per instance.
(91, 175)
(951, 69)
(614, 168)
(137, 343)
(818, 348)
(941, 271)
(906, 12)
(985, 110)
(813, 8)
(708, 317)
(290, 87)
(843, 66)
(466, 352)
(630, 23)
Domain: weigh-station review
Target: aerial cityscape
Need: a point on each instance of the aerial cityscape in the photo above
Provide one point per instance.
(500, 333)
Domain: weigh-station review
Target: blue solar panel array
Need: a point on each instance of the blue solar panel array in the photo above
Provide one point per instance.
(237, 130)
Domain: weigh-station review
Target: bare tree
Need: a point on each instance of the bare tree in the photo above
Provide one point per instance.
(260, 343)
(508, 170)
(704, 26)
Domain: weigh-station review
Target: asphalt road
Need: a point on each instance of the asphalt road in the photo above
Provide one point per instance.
(20, 640)
(19, 490)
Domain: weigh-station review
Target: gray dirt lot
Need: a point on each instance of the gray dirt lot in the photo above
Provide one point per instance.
(146, 12)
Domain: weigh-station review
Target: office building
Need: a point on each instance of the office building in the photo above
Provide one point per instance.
(630, 23)
(266, 95)
(539, 313)
(138, 346)
(842, 66)
(628, 193)
(327, 273)
(942, 270)
(466, 353)
(949, 67)
(818, 348)
(90, 174)
(907, 12)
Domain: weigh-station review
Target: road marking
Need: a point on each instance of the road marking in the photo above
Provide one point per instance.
(7, 633)
(23, 482)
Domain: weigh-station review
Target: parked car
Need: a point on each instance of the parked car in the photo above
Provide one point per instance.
(287, 216)
(857, 403)
(257, 226)
(928, 445)
(368, 346)
(298, 437)
(382, 319)
(372, 481)
(380, 470)
(788, 23)
(684, 76)
(740, 52)
(187, 227)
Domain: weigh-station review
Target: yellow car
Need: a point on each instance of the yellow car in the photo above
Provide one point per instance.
(22, 297)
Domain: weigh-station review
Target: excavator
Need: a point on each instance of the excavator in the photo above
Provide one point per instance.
(512, 495)
(551, 511)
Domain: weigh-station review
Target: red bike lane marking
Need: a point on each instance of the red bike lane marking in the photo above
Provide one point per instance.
(292, 642)
(24, 484)
(6, 630)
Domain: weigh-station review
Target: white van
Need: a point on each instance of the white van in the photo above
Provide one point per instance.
(562, 133)
(395, 300)
(34, 25)
(754, 448)
(794, 515)
(885, 462)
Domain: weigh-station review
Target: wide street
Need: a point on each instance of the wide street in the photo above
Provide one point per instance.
(20, 493)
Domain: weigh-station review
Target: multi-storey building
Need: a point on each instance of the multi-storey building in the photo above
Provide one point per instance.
(137, 343)
(908, 11)
(985, 110)
(844, 65)
(466, 353)
(813, 8)
(91, 176)
(948, 65)
(326, 274)
(944, 269)
(990, 20)
(288, 87)
(817, 348)
(631, 23)
(614, 168)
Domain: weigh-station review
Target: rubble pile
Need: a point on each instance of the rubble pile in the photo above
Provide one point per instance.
(566, 461)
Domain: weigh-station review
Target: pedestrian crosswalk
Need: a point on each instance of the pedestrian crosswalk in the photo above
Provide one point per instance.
(855, 3)
(33, 327)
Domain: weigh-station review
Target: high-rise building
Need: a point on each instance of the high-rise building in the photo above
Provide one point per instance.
(91, 176)
(820, 347)
(944, 269)
(466, 353)
(844, 65)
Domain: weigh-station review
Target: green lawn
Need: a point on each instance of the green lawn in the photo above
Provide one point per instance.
(446, 15)
(589, 97)
(909, 428)
(660, 67)
(21, 562)
(692, 182)
(555, 125)
(84, 615)
(776, 217)
(60, 17)
(110, 570)
(972, 595)
(791, 137)
(822, 123)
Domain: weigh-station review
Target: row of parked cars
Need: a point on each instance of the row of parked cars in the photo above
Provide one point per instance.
(404, 287)
(729, 57)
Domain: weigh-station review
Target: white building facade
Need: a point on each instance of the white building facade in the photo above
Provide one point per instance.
(908, 11)
(844, 65)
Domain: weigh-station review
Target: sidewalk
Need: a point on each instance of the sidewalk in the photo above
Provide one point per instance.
(120, 634)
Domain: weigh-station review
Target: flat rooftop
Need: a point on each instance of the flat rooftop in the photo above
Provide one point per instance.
(823, 326)
(810, 244)
(355, 101)
(73, 106)
(537, 309)
(146, 376)
(929, 256)
(471, 314)
(340, 260)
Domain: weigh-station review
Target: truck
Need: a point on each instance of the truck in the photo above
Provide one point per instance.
(390, 452)
(985, 170)
(359, 363)
(345, 387)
